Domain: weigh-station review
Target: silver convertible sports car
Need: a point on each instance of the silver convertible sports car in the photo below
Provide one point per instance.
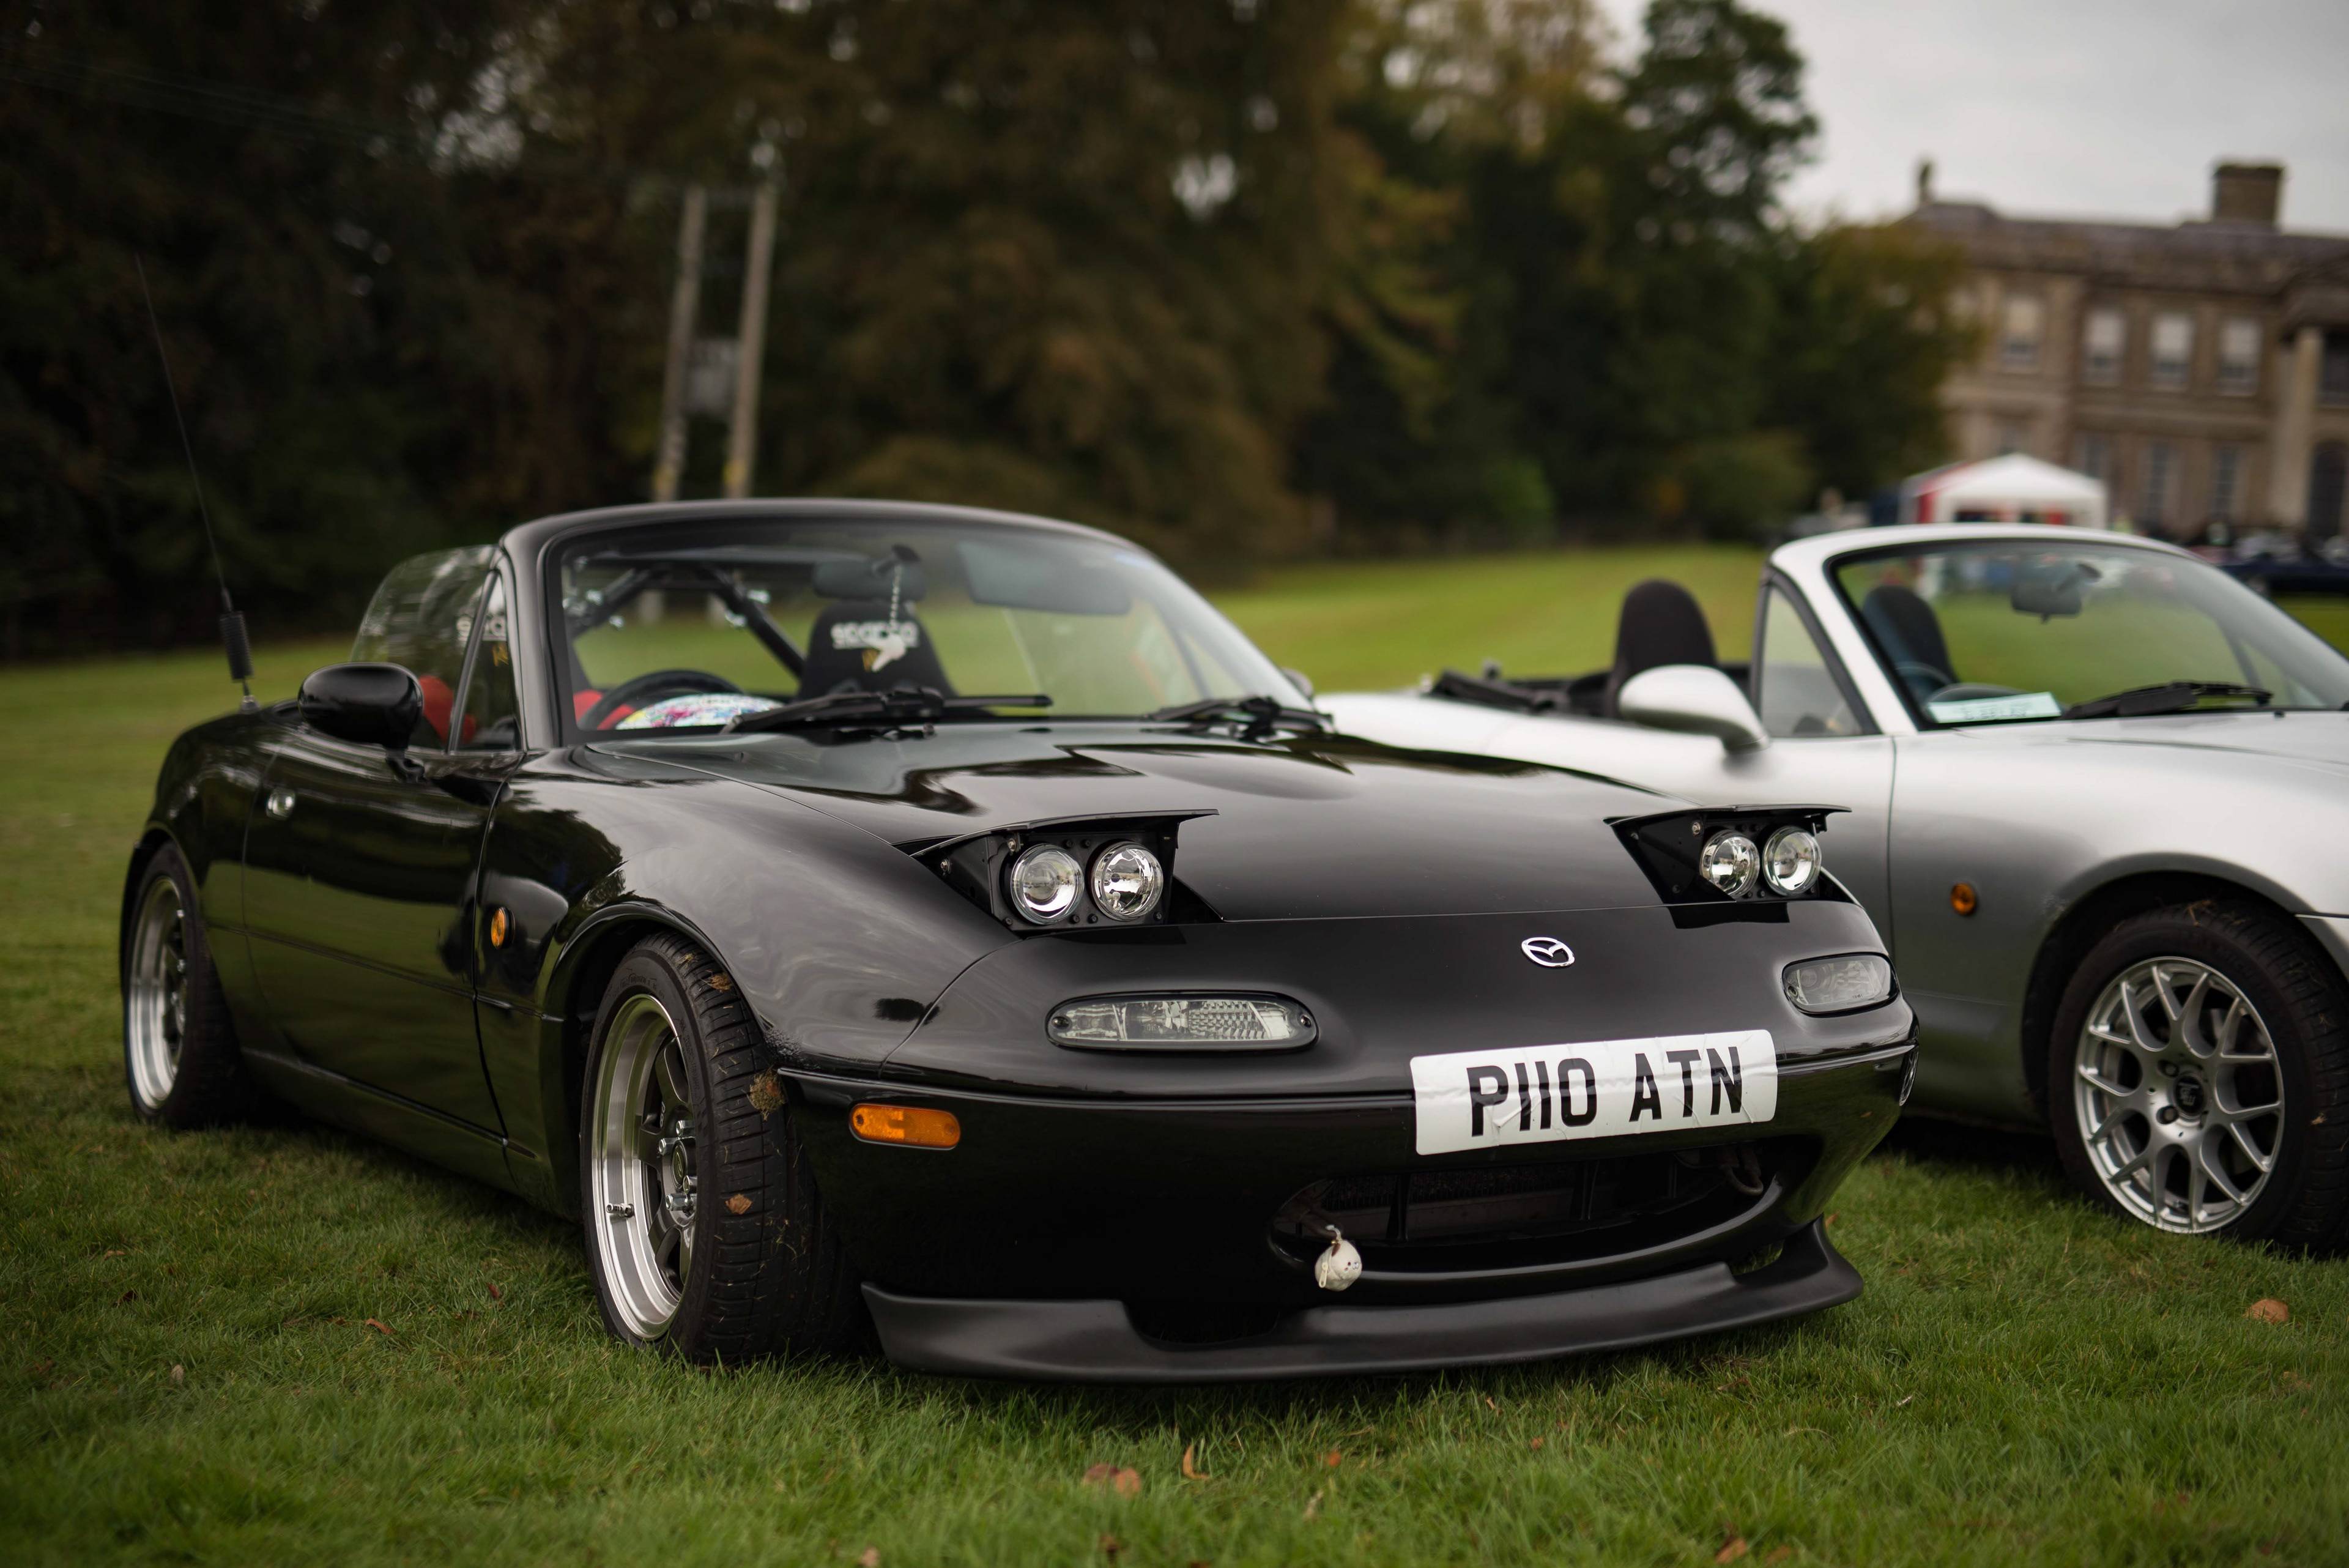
(2095, 784)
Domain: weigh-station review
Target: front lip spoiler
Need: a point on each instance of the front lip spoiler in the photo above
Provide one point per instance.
(1096, 1342)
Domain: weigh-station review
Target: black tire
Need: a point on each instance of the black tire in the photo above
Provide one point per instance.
(2177, 1113)
(180, 1061)
(764, 1272)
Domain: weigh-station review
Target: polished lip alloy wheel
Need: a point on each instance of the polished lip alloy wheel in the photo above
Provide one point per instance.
(641, 1165)
(2178, 1095)
(156, 1019)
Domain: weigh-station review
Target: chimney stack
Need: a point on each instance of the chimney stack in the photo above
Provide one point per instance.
(2246, 194)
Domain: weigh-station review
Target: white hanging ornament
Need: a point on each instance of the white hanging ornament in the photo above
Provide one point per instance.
(1338, 1267)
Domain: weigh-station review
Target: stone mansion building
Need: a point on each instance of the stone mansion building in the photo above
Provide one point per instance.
(2200, 369)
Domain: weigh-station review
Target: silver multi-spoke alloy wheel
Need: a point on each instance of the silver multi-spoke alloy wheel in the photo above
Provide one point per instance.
(641, 1166)
(155, 1018)
(2178, 1095)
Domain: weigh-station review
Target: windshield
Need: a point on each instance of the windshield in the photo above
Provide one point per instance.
(689, 625)
(2000, 630)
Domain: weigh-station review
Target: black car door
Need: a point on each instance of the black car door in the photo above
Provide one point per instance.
(360, 866)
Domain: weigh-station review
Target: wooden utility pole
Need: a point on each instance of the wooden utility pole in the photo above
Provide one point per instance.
(684, 305)
(751, 352)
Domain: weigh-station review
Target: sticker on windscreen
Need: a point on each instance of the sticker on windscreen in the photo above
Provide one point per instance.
(1598, 1088)
(1989, 710)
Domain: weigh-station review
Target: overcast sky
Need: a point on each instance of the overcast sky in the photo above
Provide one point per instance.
(2077, 108)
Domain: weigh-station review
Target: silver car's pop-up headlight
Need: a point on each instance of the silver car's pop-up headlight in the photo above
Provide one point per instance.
(1845, 983)
(1181, 1024)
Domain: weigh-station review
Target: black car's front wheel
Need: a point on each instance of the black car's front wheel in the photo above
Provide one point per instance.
(2199, 1076)
(705, 1235)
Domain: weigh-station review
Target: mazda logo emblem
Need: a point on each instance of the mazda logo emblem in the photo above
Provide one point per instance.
(1547, 951)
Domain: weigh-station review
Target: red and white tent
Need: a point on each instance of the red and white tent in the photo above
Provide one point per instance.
(2011, 489)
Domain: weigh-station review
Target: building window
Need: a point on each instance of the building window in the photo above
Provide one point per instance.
(2333, 368)
(2226, 480)
(2012, 437)
(2239, 355)
(2106, 340)
(2173, 350)
(2095, 457)
(2019, 329)
(2160, 470)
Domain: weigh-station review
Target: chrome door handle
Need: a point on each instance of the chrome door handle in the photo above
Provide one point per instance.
(281, 804)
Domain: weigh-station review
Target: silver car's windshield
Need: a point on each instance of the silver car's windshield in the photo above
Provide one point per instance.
(690, 625)
(1993, 631)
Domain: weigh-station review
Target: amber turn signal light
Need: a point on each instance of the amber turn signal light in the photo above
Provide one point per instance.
(501, 926)
(1963, 898)
(917, 1126)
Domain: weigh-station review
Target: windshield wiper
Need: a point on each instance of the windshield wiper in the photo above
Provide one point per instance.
(1261, 712)
(907, 705)
(2171, 698)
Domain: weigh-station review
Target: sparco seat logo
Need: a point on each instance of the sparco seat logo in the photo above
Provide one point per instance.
(1547, 951)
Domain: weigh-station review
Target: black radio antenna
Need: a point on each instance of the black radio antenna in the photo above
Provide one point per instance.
(232, 622)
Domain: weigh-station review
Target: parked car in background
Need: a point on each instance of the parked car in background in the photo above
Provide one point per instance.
(2098, 793)
(856, 913)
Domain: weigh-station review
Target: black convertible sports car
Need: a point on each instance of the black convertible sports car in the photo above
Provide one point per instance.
(871, 917)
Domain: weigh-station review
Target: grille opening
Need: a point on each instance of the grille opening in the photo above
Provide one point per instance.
(1500, 1216)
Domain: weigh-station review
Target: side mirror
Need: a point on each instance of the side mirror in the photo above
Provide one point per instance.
(1696, 698)
(369, 704)
(1297, 678)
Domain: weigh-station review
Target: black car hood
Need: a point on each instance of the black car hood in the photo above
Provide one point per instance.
(1305, 825)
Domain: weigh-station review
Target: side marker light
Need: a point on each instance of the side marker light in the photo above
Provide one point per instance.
(917, 1126)
(1963, 899)
(501, 926)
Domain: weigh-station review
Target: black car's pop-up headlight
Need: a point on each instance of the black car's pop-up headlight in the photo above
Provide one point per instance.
(1070, 872)
(1181, 1024)
(1732, 854)
(1843, 984)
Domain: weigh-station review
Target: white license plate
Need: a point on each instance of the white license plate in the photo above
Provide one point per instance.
(1598, 1088)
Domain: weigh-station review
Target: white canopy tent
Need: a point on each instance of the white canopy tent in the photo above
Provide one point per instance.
(2011, 489)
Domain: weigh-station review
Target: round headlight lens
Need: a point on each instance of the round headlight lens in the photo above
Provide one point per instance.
(1044, 882)
(1127, 880)
(1791, 861)
(1730, 863)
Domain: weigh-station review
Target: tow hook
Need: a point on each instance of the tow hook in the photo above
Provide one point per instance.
(1338, 1267)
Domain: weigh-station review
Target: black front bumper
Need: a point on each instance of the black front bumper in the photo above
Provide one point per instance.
(1096, 1342)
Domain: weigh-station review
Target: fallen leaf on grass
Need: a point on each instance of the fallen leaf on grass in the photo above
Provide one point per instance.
(1313, 1505)
(1833, 1218)
(871, 1558)
(1902, 1401)
(2269, 1310)
(1777, 1554)
(1333, 1459)
(496, 1294)
(179, 1374)
(1731, 1552)
(1791, 1430)
(1537, 1442)
(1190, 1470)
(1490, 1406)
(118, 1253)
(1122, 1481)
(377, 1324)
(126, 1296)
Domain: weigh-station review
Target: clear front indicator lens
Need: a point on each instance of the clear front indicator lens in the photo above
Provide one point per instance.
(1044, 882)
(1730, 863)
(1182, 1023)
(1791, 861)
(1127, 880)
(1842, 984)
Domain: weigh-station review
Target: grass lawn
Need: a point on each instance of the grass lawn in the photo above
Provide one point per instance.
(279, 1343)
